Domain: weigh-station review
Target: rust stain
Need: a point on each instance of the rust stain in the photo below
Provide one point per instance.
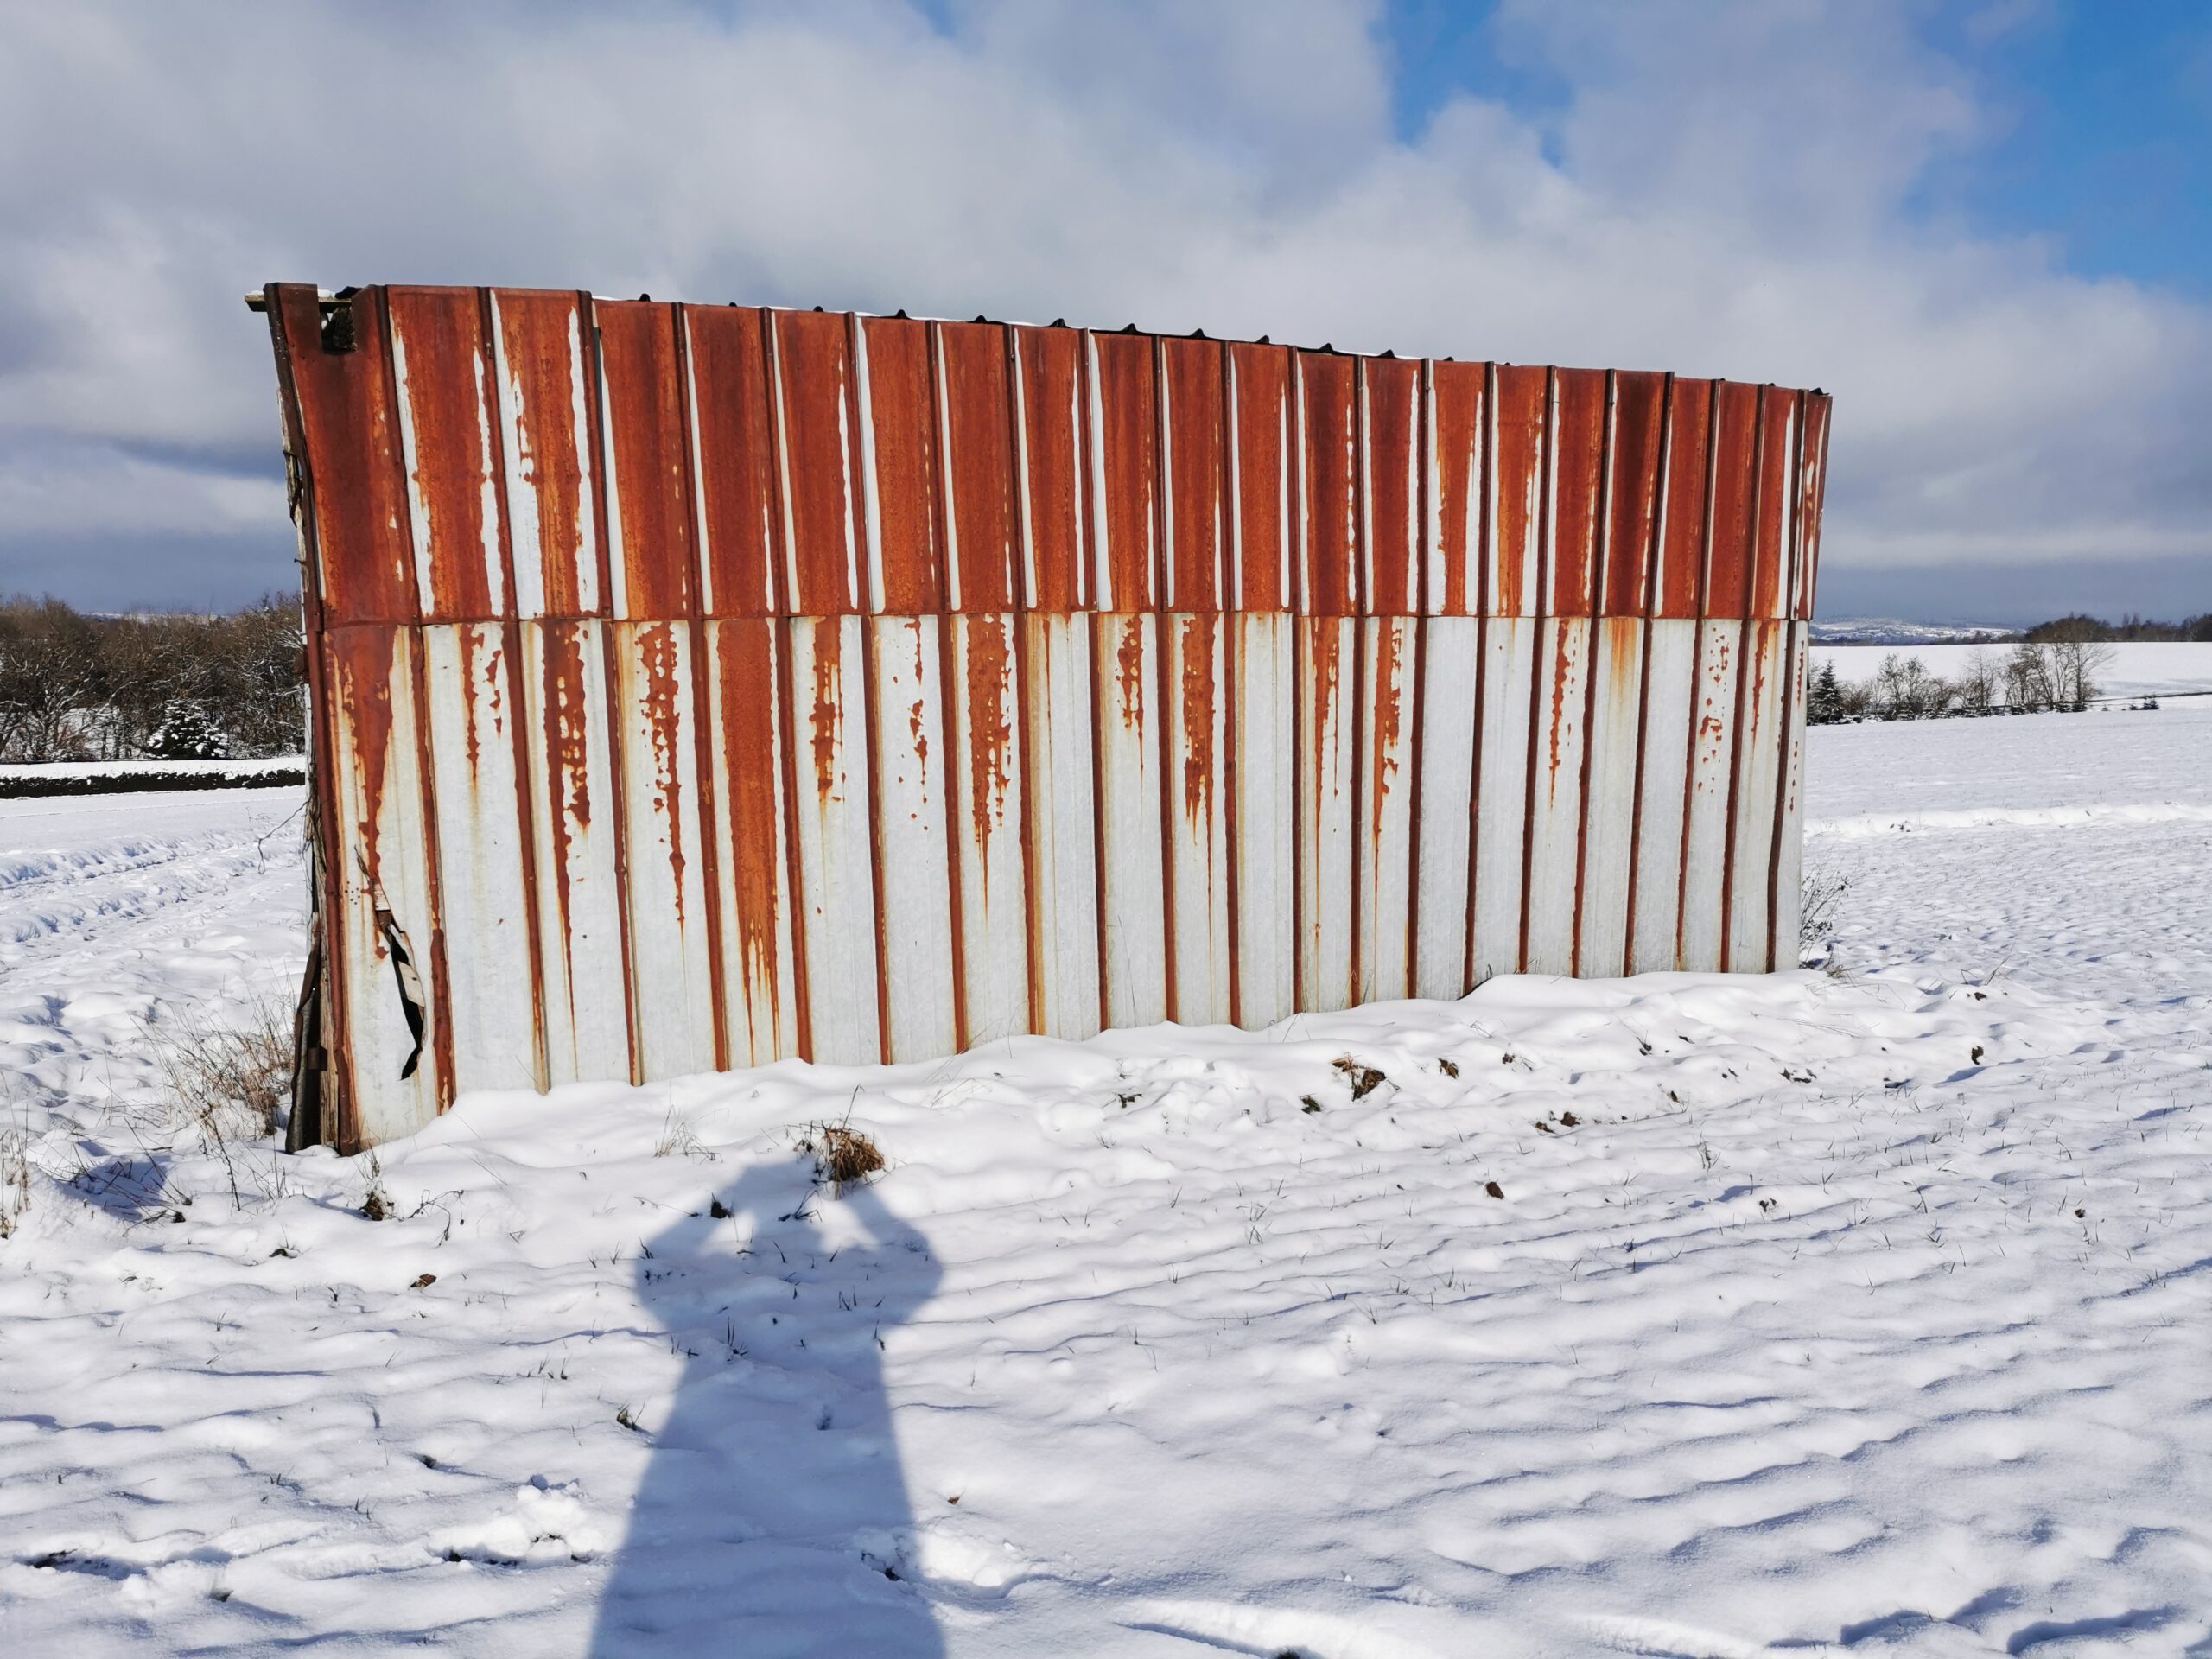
(829, 713)
(989, 669)
(1459, 389)
(466, 637)
(1520, 456)
(437, 333)
(664, 687)
(1327, 670)
(917, 730)
(362, 656)
(750, 762)
(1388, 698)
(1563, 667)
(566, 715)
(535, 341)
(1198, 723)
(1129, 672)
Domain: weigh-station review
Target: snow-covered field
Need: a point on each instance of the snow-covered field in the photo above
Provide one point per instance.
(1863, 1310)
(2135, 670)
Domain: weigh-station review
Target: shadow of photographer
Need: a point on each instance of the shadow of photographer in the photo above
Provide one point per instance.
(769, 1519)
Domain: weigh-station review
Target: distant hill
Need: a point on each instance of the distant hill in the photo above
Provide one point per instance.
(1892, 630)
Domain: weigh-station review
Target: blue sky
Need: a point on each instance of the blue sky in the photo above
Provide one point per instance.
(1987, 227)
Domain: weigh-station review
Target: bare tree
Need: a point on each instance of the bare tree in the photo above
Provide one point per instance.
(1977, 687)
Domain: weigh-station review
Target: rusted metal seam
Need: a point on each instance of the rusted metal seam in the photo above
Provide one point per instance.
(409, 635)
(1649, 608)
(793, 906)
(1600, 556)
(339, 1102)
(1088, 559)
(856, 504)
(1697, 659)
(1424, 510)
(511, 648)
(1745, 636)
(1025, 769)
(1546, 525)
(1791, 688)
(1484, 589)
(950, 642)
(702, 680)
(1229, 582)
(1295, 600)
(1366, 812)
(1162, 564)
(602, 449)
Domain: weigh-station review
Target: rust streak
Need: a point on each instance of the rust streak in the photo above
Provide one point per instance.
(827, 719)
(657, 650)
(990, 735)
(1199, 724)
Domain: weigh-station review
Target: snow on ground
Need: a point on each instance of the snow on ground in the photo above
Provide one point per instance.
(2136, 670)
(1853, 1311)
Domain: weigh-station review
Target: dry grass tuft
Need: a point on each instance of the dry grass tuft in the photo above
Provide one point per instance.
(230, 1080)
(14, 1178)
(843, 1156)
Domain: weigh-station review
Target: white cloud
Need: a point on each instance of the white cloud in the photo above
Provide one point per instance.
(1730, 195)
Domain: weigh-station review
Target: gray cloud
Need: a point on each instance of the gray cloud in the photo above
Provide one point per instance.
(1726, 192)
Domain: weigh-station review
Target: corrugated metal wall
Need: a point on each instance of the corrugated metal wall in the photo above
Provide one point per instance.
(695, 686)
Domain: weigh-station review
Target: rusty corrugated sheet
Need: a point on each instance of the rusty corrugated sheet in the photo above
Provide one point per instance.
(698, 686)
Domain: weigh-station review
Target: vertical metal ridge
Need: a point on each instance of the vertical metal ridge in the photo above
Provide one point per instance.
(1745, 636)
(1424, 505)
(510, 649)
(782, 598)
(409, 639)
(1697, 658)
(702, 701)
(1229, 618)
(603, 459)
(1162, 571)
(1091, 562)
(1547, 481)
(1651, 608)
(1366, 803)
(1600, 578)
(1298, 600)
(1791, 690)
(940, 512)
(1485, 602)
(1025, 766)
(339, 1099)
(856, 538)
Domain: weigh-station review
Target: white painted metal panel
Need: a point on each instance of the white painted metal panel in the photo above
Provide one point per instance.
(1712, 755)
(1789, 861)
(483, 855)
(1198, 817)
(911, 803)
(1759, 753)
(579, 894)
(759, 982)
(380, 801)
(1665, 769)
(664, 826)
(1615, 719)
(830, 816)
(551, 473)
(1063, 827)
(1501, 793)
(1449, 654)
(1556, 792)
(1125, 652)
(992, 770)
(1328, 809)
(1265, 667)
(1387, 859)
